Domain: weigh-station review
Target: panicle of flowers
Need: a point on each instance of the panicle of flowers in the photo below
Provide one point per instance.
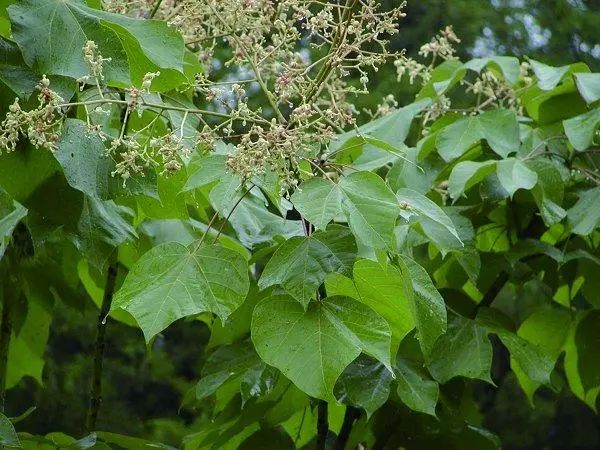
(493, 90)
(95, 62)
(40, 125)
(442, 45)
(438, 108)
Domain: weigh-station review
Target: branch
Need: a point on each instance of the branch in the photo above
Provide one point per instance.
(322, 424)
(155, 9)
(96, 385)
(350, 416)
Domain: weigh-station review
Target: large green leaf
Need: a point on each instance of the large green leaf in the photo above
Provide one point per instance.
(548, 77)
(509, 66)
(28, 342)
(52, 34)
(371, 208)
(415, 388)
(172, 281)
(435, 222)
(467, 174)
(513, 175)
(101, 228)
(319, 201)
(547, 329)
(226, 363)
(427, 306)
(549, 191)
(464, 350)
(88, 169)
(388, 291)
(581, 358)
(365, 383)
(498, 127)
(581, 129)
(584, 216)
(369, 204)
(589, 86)
(313, 347)
(300, 264)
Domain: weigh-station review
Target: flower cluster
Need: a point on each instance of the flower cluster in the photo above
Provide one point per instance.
(40, 125)
(299, 55)
(441, 47)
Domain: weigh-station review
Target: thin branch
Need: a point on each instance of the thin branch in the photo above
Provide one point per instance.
(96, 385)
(350, 416)
(237, 203)
(322, 424)
(155, 9)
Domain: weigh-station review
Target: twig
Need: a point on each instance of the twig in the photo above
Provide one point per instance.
(155, 9)
(350, 416)
(237, 203)
(322, 424)
(96, 385)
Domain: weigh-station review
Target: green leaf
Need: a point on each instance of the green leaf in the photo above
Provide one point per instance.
(205, 170)
(589, 86)
(509, 66)
(415, 389)
(11, 213)
(300, 264)
(388, 291)
(427, 306)
(371, 208)
(226, 363)
(514, 175)
(319, 201)
(581, 129)
(467, 174)
(549, 191)
(548, 76)
(14, 73)
(581, 358)
(135, 47)
(365, 383)
(464, 350)
(83, 159)
(8, 435)
(101, 228)
(547, 329)
(313, 347)
(28, 341)
(368, 203)
(435, 222)
(376, 144)
(443, 78)
(584, 216)
(172, 281)
(253, 223)
(498, 127)
(587, 335)
(86, 167)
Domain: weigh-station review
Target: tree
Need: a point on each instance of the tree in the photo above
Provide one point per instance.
(340, 284)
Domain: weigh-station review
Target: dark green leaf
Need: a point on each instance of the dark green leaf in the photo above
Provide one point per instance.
(300, 264)
(172, 281)
(313, 347)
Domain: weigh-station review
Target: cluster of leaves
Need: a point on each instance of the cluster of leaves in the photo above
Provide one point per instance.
(413, 250)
